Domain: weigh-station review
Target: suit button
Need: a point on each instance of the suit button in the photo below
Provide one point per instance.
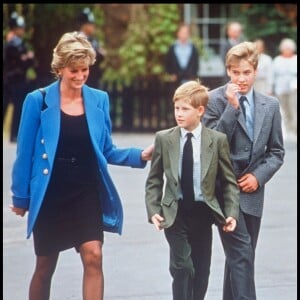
(44, 156)
(246, 149)
(45, 171)
(42, 141)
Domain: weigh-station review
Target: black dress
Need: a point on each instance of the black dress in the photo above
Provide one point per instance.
(71, 211)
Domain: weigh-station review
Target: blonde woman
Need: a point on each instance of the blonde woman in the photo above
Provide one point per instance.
(60, 174)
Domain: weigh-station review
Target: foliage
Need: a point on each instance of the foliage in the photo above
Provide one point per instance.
(150, 33)
(266, 21)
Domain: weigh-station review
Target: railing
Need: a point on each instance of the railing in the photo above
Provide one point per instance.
(146, 108)
(142, 108)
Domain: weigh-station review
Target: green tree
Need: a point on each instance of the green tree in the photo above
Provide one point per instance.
(150, 32)
(269, 22)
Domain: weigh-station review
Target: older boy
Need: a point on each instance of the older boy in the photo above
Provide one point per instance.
(186, 213)
(252, 123)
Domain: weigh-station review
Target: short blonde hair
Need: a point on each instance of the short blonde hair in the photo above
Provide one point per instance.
(193, 93)
(244, 50)
(72, 49)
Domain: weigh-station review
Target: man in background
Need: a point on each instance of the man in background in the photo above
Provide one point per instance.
(17, 59)
(87, 25)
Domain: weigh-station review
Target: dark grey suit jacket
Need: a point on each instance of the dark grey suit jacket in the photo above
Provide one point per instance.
(266, 153)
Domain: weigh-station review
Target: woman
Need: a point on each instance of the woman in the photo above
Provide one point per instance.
(285, 84)
(60, 174)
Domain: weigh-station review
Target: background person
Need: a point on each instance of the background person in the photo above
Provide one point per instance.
(234, 36)
(264, 75)
(285, 84)
(60, 174)
(182, 59)
(87, 25)
(17, 59)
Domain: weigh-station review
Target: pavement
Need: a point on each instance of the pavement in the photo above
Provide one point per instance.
(136, 263)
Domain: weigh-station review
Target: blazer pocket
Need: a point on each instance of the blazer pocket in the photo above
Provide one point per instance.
(167, 201)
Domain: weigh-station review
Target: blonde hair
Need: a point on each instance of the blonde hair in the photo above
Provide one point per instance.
(193, 93)
(72, 49)
(244, 50)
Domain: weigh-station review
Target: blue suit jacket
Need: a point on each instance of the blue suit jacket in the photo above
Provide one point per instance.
(37, 142)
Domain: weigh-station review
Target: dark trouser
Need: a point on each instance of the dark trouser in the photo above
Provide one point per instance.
(190, 241)
(239, 247)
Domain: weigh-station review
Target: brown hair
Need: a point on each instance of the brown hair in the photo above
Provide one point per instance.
(193, 93)
(244, 50)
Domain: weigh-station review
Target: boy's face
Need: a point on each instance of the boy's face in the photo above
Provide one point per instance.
(242, 74)
(186, 115)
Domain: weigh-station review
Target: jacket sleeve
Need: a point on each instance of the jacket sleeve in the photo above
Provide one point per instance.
(230, 190)
(22, 167)
(155, 182)
(119, 156)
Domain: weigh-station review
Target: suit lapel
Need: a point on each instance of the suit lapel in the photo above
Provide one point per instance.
(95, 116)
(259, 116)
(174, 151)
(50, 120)
(206, 151)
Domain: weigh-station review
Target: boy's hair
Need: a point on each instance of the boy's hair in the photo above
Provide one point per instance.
(193, 93)
(244, 50)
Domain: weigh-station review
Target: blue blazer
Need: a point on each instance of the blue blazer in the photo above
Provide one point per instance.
(37, 142)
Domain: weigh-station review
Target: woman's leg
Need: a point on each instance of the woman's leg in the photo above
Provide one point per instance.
(41, 280)
(93, 280)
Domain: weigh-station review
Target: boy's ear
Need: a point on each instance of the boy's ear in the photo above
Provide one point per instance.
(201, 110)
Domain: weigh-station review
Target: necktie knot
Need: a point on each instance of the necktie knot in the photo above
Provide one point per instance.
(189, 135)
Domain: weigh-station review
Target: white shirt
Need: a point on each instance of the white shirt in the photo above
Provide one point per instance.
(285, 73)
(196, 143)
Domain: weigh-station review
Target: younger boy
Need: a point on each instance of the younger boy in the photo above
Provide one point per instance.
(186, 217)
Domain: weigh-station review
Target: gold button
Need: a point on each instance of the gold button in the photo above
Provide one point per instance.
(45, 156)
(45, 171)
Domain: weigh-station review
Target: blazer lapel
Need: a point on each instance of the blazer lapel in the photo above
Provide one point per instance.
(206, 151)
(242, 121)
(259, 116)
(174, 151)
(50, 120)
(94, 115)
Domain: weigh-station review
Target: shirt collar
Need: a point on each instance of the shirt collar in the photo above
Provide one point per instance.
(249, 95)
(196, 132)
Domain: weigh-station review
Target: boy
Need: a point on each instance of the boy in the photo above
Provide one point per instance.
(252, 123)
(187, 213)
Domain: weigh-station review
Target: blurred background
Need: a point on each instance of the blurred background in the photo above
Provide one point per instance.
(136, 38)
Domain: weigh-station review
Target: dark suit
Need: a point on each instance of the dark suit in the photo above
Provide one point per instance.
(190, 256)
(190, 72)
(263, 157)
(224, 47)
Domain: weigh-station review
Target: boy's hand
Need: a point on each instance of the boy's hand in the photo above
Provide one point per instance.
(230, 224)
(156, 220)
(248, 183)
(231, 94)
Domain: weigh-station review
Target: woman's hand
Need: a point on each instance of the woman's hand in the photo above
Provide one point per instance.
(147, 153)
(18, 211)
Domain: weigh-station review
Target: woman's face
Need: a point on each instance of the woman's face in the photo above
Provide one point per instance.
(75, 76)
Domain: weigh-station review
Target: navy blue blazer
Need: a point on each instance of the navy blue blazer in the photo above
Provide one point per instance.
(37, 142)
